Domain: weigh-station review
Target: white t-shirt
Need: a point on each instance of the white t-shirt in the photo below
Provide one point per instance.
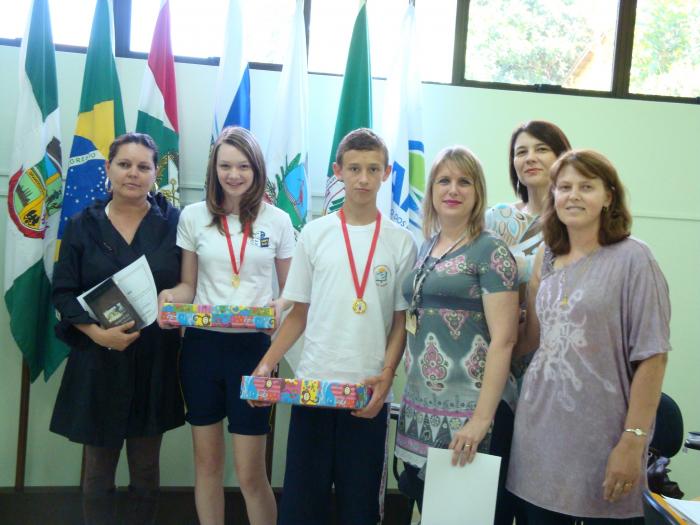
(271, 237)
(340, 345)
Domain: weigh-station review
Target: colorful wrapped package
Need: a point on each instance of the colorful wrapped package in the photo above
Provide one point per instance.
(219, 316)
(307, 392)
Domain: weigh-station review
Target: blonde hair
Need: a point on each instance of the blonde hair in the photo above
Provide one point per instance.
(466, 163)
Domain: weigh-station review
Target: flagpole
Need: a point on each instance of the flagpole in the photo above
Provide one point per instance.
(22, 432)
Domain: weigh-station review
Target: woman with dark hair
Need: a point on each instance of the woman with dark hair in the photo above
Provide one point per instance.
(233, 244)
(119, 385)
(534, 146)
(598, 319)
(462, 324)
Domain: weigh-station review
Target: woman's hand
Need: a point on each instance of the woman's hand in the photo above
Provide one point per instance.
(466, 440)
(624, 468)
(115, 338)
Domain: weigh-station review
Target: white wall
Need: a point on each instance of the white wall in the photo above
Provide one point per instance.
(654, 145)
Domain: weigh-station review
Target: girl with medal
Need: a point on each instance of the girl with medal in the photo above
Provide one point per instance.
(233, 244)
(462, 324)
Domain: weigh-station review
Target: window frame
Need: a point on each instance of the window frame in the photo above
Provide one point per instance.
(622, 62)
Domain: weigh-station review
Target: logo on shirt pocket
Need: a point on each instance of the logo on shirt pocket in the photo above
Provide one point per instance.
(260, 239)
(381, 275)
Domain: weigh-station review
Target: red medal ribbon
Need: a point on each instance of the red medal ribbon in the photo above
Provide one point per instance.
(246, 233)
(360, 287)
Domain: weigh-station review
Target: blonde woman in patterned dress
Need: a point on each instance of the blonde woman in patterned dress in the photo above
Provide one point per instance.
(462, 325)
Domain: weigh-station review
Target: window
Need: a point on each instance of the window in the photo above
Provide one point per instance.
(331, 29)
(565, 43)
(197, 28)
(651, 52)
(666, 52)
(71, 20)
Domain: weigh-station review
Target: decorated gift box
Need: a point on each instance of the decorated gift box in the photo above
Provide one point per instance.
(219, 315)
(307, 392)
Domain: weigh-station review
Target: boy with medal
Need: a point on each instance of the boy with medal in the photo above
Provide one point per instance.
(345, 285)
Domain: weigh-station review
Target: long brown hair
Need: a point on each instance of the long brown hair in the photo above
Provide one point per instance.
(615, 220)
(244, 141)
(465, 162)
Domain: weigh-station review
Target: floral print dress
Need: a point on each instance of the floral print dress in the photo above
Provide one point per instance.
(446, 356)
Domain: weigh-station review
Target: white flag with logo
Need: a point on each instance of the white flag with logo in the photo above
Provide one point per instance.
(403, 130)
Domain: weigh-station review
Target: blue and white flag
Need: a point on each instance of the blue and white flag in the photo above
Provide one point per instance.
(402, 124)
(287, 153)
(232, 102)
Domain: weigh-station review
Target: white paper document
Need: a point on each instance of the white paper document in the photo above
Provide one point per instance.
(136, 283)
(457, 495)
(690, 510)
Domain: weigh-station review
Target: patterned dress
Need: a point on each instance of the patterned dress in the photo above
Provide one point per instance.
(522, 233)
(446, 357)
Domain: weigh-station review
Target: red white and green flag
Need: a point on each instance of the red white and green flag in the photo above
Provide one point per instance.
(355, 107)
(157, 114)
(34, 200)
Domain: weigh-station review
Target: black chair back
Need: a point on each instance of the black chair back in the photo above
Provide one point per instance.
(668, 430)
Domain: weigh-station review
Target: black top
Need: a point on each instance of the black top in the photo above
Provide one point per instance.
(107, 395)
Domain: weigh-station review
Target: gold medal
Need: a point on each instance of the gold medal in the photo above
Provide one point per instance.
(236, 279)
(359, 306)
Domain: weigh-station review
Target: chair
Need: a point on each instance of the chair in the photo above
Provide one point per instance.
(668, 429)
(658, 512)
(666, 442)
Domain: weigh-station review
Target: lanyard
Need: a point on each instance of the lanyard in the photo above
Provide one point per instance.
(424, 270)
(236, 279)
(359, 306)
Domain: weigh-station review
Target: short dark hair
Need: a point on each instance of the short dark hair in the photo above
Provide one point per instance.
(245, 142)
(615, 221)
(542, 130)
(143, 139)
(361, 139)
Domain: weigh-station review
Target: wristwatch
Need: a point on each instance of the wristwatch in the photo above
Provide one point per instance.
(636, 431)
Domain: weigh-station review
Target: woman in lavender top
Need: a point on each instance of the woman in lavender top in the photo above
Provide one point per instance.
(598, 316)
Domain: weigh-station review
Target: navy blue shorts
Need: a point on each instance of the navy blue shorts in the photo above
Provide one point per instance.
(328, 447)
(211, 366)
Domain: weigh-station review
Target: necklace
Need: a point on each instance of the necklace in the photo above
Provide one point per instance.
(419, 280)
(359, 306)
(236, 279)
(565, 294)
